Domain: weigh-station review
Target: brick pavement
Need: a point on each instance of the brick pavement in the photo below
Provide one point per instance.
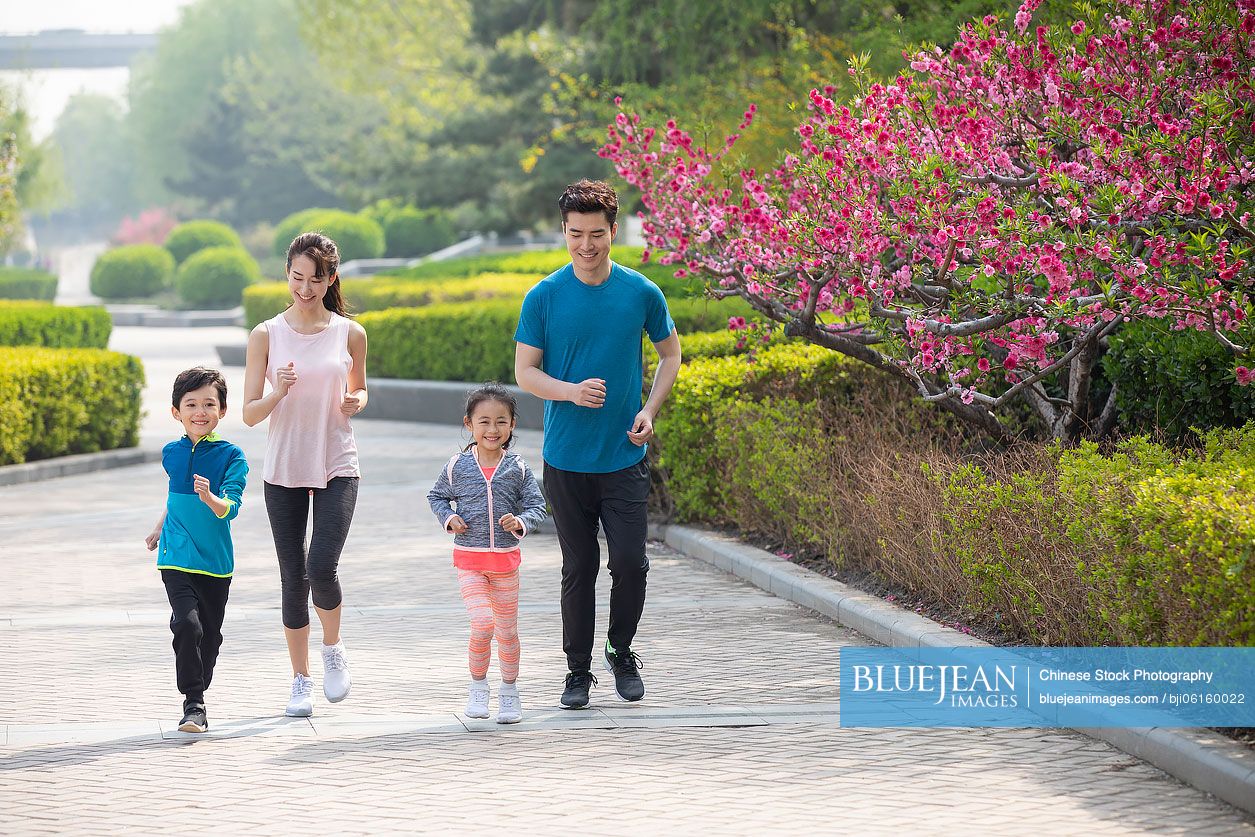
(87, 693)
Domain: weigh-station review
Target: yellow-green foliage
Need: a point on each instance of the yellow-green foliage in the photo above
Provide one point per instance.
(455, 342)
(29, 323)
(55, 402)
(27, 283)
(261, 302)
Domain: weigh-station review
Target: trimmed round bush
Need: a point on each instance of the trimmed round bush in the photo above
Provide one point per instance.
(135, 270)
(292, 226)
(27, 283)
(411, 232)
(216, 277)
(194, 236)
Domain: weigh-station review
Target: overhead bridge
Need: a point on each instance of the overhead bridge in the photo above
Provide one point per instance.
(72, 48)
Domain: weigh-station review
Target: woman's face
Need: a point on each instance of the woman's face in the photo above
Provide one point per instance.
(306, 287)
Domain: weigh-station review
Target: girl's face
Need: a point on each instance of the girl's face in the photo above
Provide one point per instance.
(490, 424)
(306, 287)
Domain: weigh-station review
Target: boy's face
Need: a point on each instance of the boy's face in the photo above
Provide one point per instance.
(199, 412)
(588, 236)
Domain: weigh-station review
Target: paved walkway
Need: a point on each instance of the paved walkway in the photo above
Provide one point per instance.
(738, 733)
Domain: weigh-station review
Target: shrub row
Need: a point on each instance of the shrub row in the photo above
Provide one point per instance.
(1140, 545)
(55, 402)
(357, 236)
(27, 283)
(458, 342)
(30, 323)
(263, 301)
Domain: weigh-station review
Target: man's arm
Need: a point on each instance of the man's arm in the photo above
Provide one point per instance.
(533, 379)
(669, 358)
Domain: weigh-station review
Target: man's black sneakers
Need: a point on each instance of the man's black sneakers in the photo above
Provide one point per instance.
(624, 666)
(194, 719)
(575, 696)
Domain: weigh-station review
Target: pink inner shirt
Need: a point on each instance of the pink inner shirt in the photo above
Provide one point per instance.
(310, 441)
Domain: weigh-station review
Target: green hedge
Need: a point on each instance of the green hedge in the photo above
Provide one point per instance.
(356, 236)
(194, 236)
(135, 270)
(1171, 381)
(27, 283)
(410, 232)
(261, 302)
(292, 226)
(1140, 545)
(216, 277)
(55, 402)
(53, 326)
(458, 342)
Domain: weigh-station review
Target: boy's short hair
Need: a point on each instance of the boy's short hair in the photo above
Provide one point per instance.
(196, 378)
(590, 196)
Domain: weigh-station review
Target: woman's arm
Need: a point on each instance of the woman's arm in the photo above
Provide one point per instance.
(257, 408)
(356, 397)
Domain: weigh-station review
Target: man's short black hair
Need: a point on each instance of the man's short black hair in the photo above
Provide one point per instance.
(589, 196)
(196, 378)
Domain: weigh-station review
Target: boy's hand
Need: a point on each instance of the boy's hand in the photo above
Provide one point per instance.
(511, 524)
(152, 540)
(456, 525)
(201, 486)
(285, 377)
(351, 405)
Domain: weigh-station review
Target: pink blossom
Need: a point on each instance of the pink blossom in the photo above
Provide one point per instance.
(1244, 375)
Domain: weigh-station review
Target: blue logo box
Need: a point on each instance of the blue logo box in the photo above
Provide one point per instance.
(1047, 687)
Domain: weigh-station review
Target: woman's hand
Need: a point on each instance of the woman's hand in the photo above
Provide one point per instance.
(285, 378)
(350, 405)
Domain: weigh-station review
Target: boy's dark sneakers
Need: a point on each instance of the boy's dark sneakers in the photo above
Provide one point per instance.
(624, 666)
(194, 719)
(575, 695)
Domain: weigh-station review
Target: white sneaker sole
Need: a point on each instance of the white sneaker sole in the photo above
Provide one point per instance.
(299, 713)
(476, 715)
(193, 727)
(331, 699)
(510, 720)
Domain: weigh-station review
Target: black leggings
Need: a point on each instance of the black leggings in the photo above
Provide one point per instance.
(301, 571)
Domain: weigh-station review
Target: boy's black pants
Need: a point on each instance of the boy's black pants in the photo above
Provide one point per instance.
(197, 606)
(580, 503)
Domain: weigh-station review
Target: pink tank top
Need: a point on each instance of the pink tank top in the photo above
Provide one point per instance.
(310, 441)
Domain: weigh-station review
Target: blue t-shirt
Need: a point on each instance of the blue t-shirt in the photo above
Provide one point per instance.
(593, 331)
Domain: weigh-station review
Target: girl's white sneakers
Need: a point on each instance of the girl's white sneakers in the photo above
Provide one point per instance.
(477, 699)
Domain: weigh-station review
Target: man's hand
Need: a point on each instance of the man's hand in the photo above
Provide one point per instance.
(512, 524)
(642, 428)
(590, 393)
(285, 377)
(456, 525)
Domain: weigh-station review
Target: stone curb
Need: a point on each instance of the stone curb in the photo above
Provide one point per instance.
(146, 316)
(78, 463)
(1201, 758)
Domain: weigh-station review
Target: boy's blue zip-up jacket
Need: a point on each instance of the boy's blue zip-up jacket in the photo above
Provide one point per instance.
(193, 538)
(481, 502)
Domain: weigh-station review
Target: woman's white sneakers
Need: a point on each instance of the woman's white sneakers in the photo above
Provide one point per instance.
(301, 705)
(477, 699)
(336, 680)
(509, 706)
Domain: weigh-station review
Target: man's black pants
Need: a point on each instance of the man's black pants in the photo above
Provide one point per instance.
(198, 604)
(581, 503)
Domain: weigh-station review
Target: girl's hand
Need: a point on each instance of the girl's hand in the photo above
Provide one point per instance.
(285, 377)
(351, 405)
(152, 539)
(201, 486)
(456, 525)
(511, 524)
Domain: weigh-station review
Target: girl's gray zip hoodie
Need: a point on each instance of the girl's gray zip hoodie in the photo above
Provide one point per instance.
(481, 502)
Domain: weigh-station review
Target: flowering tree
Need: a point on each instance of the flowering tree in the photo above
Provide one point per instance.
(980, 224)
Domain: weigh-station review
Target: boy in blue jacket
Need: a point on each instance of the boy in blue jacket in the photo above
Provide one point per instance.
(193, 536)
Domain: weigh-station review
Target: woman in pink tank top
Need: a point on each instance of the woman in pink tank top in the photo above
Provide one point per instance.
(314, 357)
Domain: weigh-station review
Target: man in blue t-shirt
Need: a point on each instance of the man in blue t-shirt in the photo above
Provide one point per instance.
(578, 346)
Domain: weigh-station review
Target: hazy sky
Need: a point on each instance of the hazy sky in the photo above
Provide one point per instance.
(45, 92)
(21, 16)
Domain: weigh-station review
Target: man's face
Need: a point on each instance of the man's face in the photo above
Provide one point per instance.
(588, 236)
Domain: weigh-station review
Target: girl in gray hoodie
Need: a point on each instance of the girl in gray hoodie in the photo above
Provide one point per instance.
(488, 498)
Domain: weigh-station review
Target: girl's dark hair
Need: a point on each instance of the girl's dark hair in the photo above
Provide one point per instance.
(326, 258)
(196, 378)
(491, 391)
